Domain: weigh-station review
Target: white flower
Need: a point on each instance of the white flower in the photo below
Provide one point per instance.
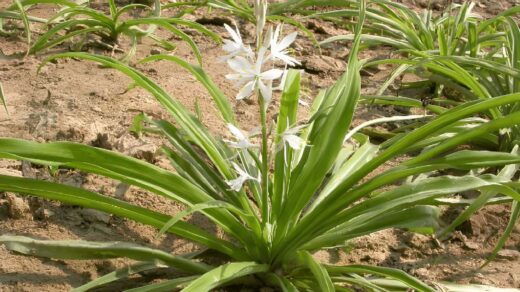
(249, 76)
(236, 46)
(279, 49)
(290, 137)
(237, 183)
(242, 141)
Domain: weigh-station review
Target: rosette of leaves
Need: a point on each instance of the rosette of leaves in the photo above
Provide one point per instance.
(314, 198)
(487, 76)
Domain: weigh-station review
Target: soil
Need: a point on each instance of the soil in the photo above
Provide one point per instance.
(81, 102)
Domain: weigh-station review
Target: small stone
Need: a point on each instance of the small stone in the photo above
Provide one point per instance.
(71, 134)
(10, 172)
(508, 254)
(74, 180)
(42, 214)
(145, 152)
(422, 272)
(121, 190)
(27, 170)
(102, 141)
(18, 207)
(322, 64)
(155, 51)
(91, 216)
(471, 245)
(215, 20)
(401, 247)
(96, 109)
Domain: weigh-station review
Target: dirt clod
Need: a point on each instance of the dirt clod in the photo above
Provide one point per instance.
(18, 208)
(509, 254)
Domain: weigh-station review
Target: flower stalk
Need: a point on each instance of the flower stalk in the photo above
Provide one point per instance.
(265, 161)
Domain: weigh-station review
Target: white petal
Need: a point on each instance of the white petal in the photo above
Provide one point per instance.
(287, 41)
(294, 130)
(236, 132)
(244, 144)
(246, 91)
(286, 59)
(228, 45)
(260, 60)
(271, 74)
(247, 51)
(230, 143)
(274, 38)
(235, 35)
(239, 78)
(293, 141)
(240, 64)
(239, 170)
(237, 183)
(266, 91)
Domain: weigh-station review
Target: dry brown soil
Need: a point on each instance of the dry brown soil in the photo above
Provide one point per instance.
(79, 101)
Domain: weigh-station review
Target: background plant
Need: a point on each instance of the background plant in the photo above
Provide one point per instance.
(78, 21)
(457, 31)
(472, 57)
(284, 11)
(299, 190)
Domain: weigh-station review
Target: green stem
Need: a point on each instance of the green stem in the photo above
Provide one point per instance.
(265, 161)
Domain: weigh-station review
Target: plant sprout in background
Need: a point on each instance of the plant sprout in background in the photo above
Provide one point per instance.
(84, 25)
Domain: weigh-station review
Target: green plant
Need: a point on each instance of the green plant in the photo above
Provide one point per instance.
(18, 11)
(455, 32)
(478, 62)
(394, 24)
(474, 58)
(495, 73)
(279, 11)
(301, 190)
(84, 22)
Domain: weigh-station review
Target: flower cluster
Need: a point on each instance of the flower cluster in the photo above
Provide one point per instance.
(248, 66)
(254, 72)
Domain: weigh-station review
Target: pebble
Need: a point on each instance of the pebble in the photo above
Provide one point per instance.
(509, 254)
(155, 51)
(18, 207)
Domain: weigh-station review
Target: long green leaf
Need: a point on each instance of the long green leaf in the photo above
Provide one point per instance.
(26, 24)
(319, 272)
(224, 274)
(421, 218)
(380, 271)
(116, 166)
(81, 197)
(81, 250)
(165, 286)
(283, 157)
(117, 275)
